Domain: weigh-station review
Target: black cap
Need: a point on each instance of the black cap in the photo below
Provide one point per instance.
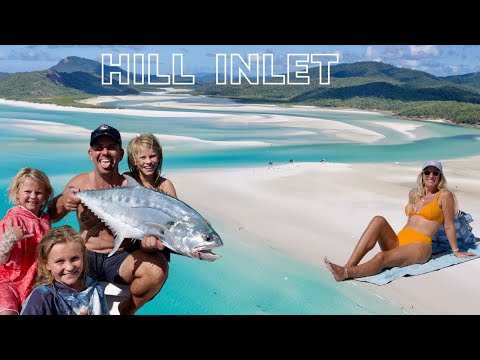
(107, 131)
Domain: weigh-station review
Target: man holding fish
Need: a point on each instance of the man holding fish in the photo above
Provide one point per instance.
(137, 263)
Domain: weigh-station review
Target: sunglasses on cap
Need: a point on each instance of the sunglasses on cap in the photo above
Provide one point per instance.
(434, 173)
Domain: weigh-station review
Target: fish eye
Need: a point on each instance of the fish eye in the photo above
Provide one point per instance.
(208, 238)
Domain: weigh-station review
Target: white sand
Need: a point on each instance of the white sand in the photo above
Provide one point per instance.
(403, 128)
(312, 210)
(48, 127)
(174, 141)
(170, 141)
(329, 127)
(145, 113)
(170, 94)
(169, 101)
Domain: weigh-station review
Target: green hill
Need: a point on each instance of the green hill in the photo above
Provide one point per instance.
(364, 85)
(34, 85)
(72, 77)
(378, 70)
(385, 90)
(368, 85)
(472, 79)
(73, 64)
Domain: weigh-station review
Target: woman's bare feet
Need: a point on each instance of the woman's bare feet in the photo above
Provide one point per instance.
(340, 273)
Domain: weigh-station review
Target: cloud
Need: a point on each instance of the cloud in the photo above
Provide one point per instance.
(410, 63)
(348, 56)
(438, 68)
(385, 54)
(393, 52)
(424, 50)
(32, 54)
(372, 54)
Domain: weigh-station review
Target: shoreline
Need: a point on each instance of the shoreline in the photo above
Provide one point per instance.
(98, 100)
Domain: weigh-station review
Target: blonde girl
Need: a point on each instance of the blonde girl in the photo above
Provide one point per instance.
(20, 231)
(63, 286)
(145, 159)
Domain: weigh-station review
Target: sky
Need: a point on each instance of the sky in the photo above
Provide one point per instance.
(438, 60)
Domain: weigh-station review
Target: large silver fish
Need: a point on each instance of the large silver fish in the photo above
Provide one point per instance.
(134, 211)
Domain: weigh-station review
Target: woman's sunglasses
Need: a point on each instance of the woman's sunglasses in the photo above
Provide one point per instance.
(434, 173)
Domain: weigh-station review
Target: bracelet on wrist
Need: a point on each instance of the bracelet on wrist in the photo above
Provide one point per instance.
(455, 250)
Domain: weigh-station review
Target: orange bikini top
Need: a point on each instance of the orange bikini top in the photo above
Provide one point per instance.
(431, 211)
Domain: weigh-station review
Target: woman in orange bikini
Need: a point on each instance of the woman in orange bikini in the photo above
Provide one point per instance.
(430, 205)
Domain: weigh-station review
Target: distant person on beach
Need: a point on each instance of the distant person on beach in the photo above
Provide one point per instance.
(137, 263)
(20, 231)
(430, 205)
(145, 159)
(63, 286)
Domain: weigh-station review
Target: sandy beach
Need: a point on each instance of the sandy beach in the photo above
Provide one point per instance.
(168, 99)
(312, 210)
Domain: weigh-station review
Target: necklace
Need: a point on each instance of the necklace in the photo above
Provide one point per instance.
(427, 196)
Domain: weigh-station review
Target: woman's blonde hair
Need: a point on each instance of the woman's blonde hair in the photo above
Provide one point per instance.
(149, 141)
(420, 190)
(59, 235)
(32, 174)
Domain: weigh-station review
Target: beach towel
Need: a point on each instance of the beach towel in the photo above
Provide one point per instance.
(437, 262)
(442, 256)
(465, 237)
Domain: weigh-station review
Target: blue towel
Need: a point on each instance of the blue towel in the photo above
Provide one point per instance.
(465, 237)
(437, 262)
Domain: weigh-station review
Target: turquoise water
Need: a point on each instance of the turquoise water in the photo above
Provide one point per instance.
(256, 280)
(250, 278)
(435, 139)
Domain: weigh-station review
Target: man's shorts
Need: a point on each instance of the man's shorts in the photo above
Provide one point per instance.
(101, 267)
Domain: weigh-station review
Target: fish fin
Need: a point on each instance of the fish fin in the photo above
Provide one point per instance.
(118, 241)
(130, 180)
(158, 228)
(161, 232)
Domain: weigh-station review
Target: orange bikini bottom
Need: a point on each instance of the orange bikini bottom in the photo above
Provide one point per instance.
(408, 236)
